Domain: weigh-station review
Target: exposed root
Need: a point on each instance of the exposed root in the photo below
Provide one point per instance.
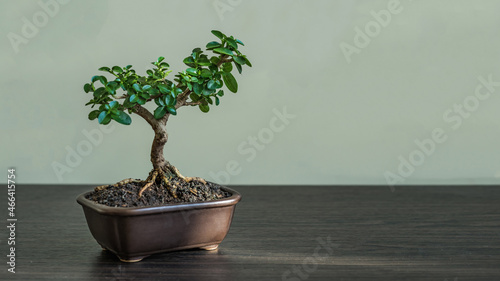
(162, 175)
(122, 182)
(170, 186)
(149, 182)
(179, 175)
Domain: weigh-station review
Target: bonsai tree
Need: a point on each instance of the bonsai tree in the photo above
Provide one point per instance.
(199, 85)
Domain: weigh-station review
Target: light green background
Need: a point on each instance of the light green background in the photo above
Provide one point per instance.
(354, 115)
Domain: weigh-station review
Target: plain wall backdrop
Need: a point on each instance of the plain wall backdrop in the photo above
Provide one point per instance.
(341, 92)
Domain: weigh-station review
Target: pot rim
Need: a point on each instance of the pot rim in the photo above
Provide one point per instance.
(174, 207)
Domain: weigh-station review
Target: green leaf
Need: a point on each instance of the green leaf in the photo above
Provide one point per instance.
(192, 71)
(160, 112)
(211, 85)
(134, 98)
(217, 101)
(113, 104)
(105, 68)
(122, 118)
(149, 72)
(238, 66)
(230, 82)
(160, 102)
(204, 108)
(153, 92)
(128, 104)
(206, 73)
(227, 67)
(214, 60)
(103, 80)
(204, 61)
(87, 87)
(163, 89)
(164, 65)
(99, 92)
(172, 110)
(141, 101)
(93, 114)
(239, 60)
(137, 88)
(117, 69)
(239, 42)
(220, 93)
(219, 34)
(213, 45)
(103, 116)
(224, 51)
(128, 67)
(95, 78)
(160, 59)
(194, 97)
(197, 88)
(206, 92)
(247, 61)
(170, 101)
(231, 42)
(177, 91)
(146, 87)
(189, 61)
(112, 87)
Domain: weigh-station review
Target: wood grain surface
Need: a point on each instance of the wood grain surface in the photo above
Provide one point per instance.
(281, 233)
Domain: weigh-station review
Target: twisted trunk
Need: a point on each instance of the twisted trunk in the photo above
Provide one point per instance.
(157, 158)
(160, 139)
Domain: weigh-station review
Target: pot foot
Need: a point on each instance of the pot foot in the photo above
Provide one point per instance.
(131, 260)
(210, 247)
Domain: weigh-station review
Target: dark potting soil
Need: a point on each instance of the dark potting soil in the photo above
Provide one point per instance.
(156, 195)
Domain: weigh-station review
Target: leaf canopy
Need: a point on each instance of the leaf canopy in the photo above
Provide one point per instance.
(123, 91)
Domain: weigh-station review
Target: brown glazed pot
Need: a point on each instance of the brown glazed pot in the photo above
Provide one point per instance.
(135, 233)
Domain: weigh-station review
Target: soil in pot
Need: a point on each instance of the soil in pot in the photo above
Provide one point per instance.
(126, 195)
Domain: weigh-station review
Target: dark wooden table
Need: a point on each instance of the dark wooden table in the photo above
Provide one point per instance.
(281, 233)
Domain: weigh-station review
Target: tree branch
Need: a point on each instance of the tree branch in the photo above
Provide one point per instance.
(183, 97)
(149, 117)
(193, 103)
